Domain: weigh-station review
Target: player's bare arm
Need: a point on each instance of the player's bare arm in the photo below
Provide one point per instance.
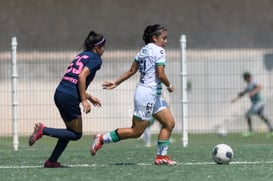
(112, 84)
(163, 78)
(240, 95)
(94, 100)
(82, 87)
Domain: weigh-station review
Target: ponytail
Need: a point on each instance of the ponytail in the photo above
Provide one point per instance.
(92, 40)
(150, 31)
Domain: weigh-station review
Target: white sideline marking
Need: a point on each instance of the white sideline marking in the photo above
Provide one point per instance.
(138, 164)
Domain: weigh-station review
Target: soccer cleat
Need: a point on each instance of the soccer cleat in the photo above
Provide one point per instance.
(164, 160)
(97, 144)
(49, 164)
(37, 133)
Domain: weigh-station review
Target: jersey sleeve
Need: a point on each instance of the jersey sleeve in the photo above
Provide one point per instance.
(251, 86)
(93, 64)
(160, 57)
(137, 58)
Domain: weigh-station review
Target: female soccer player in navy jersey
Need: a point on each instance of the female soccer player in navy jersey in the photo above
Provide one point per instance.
(148, 102)
(70, 92)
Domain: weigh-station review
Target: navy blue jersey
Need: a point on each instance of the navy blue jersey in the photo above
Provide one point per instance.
(69, 82)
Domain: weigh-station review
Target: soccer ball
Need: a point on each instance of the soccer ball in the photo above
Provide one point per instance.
(222, 132)
(222, 154)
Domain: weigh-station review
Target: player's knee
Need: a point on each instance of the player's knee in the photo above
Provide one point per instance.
(78, 136)
(263, 118)
(169, 125)
(136, 133)
(247, 116)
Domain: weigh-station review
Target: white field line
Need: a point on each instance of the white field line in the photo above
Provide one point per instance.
(138, 164)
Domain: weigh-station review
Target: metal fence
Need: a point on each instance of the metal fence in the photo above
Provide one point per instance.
(39, 72)
(214, 78)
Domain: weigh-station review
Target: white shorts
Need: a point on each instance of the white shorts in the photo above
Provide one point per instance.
(146, 104)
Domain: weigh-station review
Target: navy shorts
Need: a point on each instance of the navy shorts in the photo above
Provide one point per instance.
(68, 106)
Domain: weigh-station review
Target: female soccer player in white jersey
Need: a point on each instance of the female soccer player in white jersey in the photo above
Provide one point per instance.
(148, 102)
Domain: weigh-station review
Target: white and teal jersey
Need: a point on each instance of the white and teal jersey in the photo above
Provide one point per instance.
(258, 96)
(148, 58)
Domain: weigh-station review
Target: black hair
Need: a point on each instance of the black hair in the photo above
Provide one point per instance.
(246, 75)
(92, 40)
(152, 30)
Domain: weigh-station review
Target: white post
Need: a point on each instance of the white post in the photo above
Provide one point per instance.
(14, 93)
(184, 101)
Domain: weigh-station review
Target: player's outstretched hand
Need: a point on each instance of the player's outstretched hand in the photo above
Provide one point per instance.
(170, 89)
(109, 85)
(86, 106)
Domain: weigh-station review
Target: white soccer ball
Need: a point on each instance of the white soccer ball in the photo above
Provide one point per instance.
(222, 132)
(222, 154)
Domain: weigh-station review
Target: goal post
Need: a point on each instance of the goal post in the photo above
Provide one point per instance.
(184, 101)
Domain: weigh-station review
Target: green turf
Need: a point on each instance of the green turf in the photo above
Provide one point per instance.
(130, 160)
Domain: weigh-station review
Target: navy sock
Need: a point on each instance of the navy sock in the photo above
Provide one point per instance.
(64, 134)
(58, 150)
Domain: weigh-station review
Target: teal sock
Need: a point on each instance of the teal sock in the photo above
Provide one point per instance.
(111, 137)
(162, 147)
(114, 136)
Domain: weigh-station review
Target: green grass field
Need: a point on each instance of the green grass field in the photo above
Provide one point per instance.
(130, 160)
